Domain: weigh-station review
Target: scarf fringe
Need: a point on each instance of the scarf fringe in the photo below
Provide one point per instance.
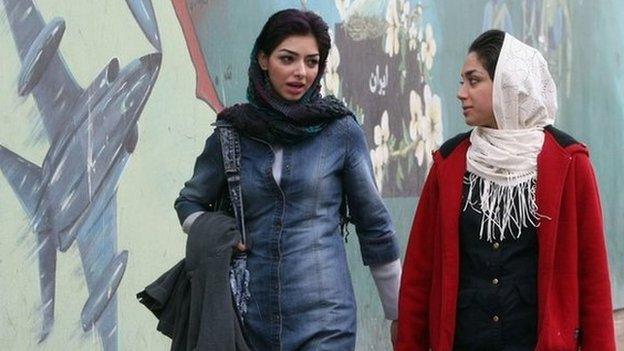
(505, 208)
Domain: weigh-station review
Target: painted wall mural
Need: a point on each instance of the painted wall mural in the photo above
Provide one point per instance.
(545, 24)
(389, 89)
(71, 197)
(86, 217)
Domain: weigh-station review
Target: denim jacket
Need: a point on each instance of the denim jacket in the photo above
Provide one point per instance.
(301, 292)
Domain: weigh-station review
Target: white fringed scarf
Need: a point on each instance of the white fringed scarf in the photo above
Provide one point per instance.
(503, 162)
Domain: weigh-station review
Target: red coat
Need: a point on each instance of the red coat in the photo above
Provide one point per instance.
(573, 277)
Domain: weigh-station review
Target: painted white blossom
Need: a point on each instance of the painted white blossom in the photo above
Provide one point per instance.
(392, 30)
(331, 80)
(413, 36)
(428, 47)
(430, 127)
(416, 114)
(381, 132)
(380, 155)
(342, 6)
(405, 13)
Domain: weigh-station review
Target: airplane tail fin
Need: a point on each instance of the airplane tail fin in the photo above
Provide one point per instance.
(24, 177)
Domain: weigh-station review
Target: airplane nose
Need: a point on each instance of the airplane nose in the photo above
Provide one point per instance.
(151, 61)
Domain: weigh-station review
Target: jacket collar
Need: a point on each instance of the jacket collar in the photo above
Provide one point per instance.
(552, 164)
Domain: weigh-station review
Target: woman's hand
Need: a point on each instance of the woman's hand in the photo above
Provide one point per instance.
(240, 247)
(393, 332)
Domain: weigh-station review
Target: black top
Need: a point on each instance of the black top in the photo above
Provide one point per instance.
(496, 305)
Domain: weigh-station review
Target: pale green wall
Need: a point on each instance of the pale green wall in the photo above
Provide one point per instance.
(172, 130)
(174, 125)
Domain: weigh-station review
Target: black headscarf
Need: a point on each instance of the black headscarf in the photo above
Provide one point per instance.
(273, 119)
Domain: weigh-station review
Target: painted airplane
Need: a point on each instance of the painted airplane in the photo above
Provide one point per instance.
(71, 197)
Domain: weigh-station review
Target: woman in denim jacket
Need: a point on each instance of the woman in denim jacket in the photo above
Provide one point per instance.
(301, 155)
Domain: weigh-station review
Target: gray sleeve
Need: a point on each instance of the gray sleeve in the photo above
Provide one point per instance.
(188, 222)
(387, 278)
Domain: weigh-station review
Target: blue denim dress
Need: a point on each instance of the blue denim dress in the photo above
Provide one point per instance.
(301, 292)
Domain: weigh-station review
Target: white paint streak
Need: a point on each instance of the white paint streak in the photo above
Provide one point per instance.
(26, 13)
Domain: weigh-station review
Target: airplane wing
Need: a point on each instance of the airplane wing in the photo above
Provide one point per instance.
(103, 270)
(54, 89)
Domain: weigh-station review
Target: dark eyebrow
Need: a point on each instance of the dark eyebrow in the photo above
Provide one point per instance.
(296, 54)
(470, 73)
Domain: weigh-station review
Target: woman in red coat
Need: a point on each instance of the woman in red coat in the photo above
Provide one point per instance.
(507, 247)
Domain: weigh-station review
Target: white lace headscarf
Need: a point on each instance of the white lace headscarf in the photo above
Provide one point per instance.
(503, 161)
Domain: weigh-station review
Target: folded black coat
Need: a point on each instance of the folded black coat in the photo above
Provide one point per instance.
(192, 300)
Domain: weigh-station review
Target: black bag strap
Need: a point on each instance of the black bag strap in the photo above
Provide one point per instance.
(231, 151)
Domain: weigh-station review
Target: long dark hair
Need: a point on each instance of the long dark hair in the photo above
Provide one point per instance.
(487, 47)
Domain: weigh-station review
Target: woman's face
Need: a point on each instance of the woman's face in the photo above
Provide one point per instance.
(293, 66)
(475, 93)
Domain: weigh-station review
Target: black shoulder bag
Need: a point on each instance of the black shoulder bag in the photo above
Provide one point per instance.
(239, 275)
